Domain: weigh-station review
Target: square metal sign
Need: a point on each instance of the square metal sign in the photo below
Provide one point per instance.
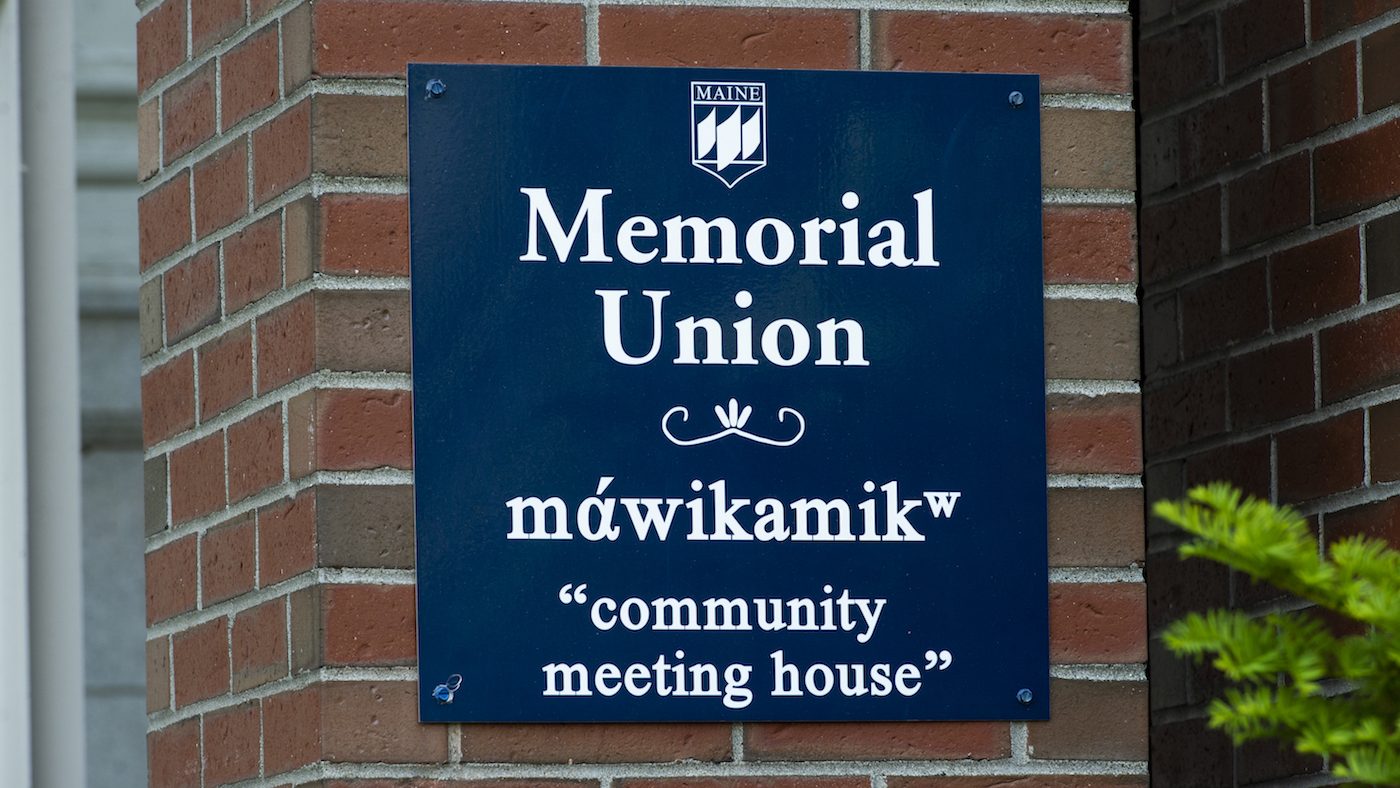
(729, 395)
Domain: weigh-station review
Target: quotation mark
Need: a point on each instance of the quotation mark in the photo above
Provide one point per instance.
(938, 659)
(571, 594)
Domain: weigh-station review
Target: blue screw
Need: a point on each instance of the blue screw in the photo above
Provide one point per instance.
(436, 87)
(1025, 697)
(1016, 100)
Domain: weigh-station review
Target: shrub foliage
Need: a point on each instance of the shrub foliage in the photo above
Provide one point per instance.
(1291, 677)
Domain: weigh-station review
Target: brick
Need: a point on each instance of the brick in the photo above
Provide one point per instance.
(1254, 31)
(286, 343)
(364, 235)
(875, 741)
(358, 429)
(1316, 279)
(362, 330)
(252, 262)
(291, 730)
(1162, 480)
(211, 21)
(1091, 339)
(1222, 132)
(1088, 149)
(743, 782)
(1262, 761)
(1180, 235)
(156, 504)
(1269, 201)
(1094, 434)
(1321, 459)
(1093, 720)
(150, 316)
(1225, 308)
(1361, 355)
(191, 295)
(197, 478)
(360, 135)
(172, 753)
(1178, 586)
(1161, 346)
(176, 564)
(228, 561)
(189, 113)
(1071, 54)
(301, 237)
(255, 453)
(201, 662)
(225, 371)
(364, 526)
(259, 650)
(287, 538)
(1098, 623)
(1188, 753)
(1178, 62)
(369, 625)
(1385, 442)
(282, 153)
(350, 43)
(1313, 96)
(744, 37)
(1094, 527)
(1035, 781)
(1337, 15)
(606, 743)
(1184, 408)
(301, 435)
(1380, 62)
(1089, 245)
(1383, 256)
(250, 77)
(1179, 682)
(1375, 520)
(376, 722)
(1271, 384)
(221, 188)
(304, 629)
(1159, 154)
(165, 219)
(1245, 465)
(232, 746)
(160, 42)
(147, 139)
(157, 674)
(1357, 172)
(296, 47)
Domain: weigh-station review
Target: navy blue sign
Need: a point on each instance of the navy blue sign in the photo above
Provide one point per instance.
(728, 395)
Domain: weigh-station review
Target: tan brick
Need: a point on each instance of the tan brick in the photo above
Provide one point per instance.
(1088, 149)
(377, 722)
(149, 315)
(1096, 340)
(360, 135)
(606, 743)
(147, 139)
(157, 674)
(1093, 720)
(736, 37)
(157, 504)
(362, 331)
(296, 47)
(1094, 527)
(301, 239)
(362, 526)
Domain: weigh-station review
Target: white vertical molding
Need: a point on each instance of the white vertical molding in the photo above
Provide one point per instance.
(54, 446)
(14, 509)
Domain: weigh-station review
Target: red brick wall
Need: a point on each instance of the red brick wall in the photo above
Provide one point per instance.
(1271, 321)
(277, 395)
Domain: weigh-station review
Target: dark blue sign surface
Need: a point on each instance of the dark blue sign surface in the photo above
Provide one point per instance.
(728, 395)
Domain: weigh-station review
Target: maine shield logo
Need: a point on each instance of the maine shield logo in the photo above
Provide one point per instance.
(728, 131)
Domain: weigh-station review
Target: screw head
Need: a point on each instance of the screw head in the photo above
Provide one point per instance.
(1024, 696)
(436, 87)
(1016, 99)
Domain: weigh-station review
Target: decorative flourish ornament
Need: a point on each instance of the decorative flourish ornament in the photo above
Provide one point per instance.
(733, 421)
